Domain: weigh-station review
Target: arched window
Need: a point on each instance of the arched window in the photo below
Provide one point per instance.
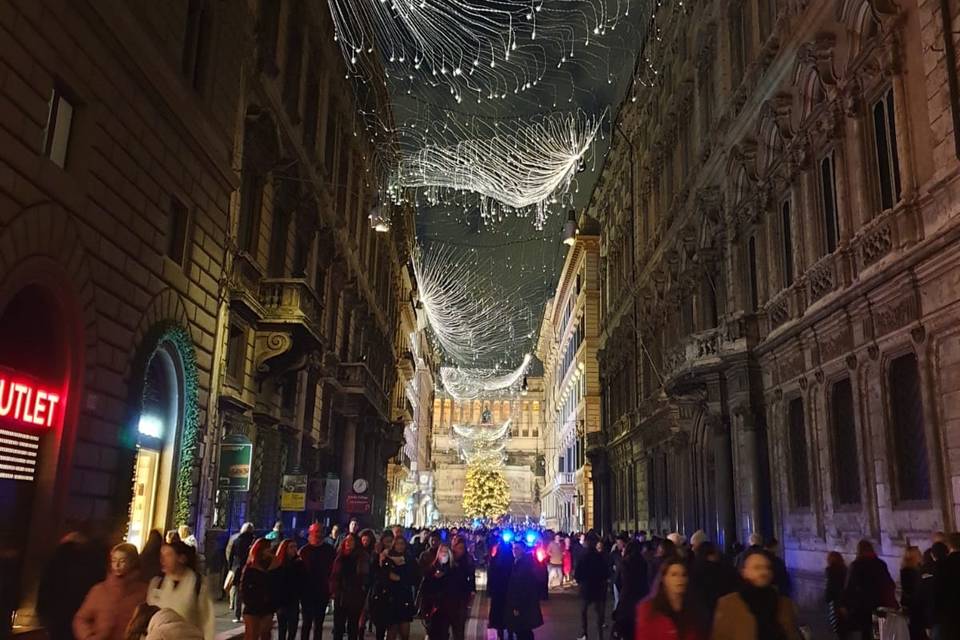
(846, 468)
(912, 468)
(799, 470)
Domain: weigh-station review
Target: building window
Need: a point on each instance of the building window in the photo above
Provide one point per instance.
(178, 231)
(912, 471)
(885, 142)
(56, 136)
(768, 17)
(739, 31)
(828, 197)
(330, 139)
(786, 238)
(251, 201)
(799, 473)
(196, 44)
(846, 469)
(279, 237)
(752, 273)
(311, 110)
(293, 63)
(236, 352)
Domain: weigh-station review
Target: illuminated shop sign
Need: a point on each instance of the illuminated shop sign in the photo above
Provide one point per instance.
(25, 402)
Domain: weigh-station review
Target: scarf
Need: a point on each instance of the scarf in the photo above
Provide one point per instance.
(763, 604)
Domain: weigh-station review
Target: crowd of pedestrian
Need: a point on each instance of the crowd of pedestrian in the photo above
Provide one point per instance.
(379, 583)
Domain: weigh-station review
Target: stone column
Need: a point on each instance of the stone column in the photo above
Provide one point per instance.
(723, 481)
(750, 473)
(348, 459)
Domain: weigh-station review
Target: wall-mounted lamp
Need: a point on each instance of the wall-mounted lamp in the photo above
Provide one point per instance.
(570, 229)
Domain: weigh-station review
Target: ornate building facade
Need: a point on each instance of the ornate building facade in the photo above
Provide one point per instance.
(779, 214)
(569, 339)
(523, 467)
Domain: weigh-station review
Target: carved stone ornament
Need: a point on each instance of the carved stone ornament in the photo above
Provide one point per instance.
(851, 361)
(873, 351)
(919, 334)
(268, 346)
(803, 383)
(818, 375)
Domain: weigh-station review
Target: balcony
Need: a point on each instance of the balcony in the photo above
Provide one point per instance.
(566, 478)
(356, 381)
(292, 302)
(697, 350)
(244, 288)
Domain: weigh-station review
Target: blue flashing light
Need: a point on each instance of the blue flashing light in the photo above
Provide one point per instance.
(507, 535)
(531, 538)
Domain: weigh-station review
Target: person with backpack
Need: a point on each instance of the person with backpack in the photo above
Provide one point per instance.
(182, 589)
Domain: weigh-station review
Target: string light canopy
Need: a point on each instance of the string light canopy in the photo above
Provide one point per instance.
(476, 49)
(468, 384)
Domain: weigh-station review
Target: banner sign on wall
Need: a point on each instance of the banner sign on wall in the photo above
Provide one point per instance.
(235, 462)
(331, 494)
(293, 496)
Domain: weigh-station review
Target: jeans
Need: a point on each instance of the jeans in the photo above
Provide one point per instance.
(346, 619)
(599, 606)
(287, 617)
(314, 612)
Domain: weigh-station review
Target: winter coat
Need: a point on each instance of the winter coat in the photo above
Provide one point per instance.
(523, 596)
(709, 581)
(498, 578)
(947, 595)
(186, 598)
(317, 565)
(167, 624)
(869, 586)
(258, 590)
(654, 625)
(76, 565)
(634, 587)
(108, 608)
(464, 580)
(393, 597)
(833, 596)
(733, 620)
(348, 580)
(591, 573)
(288, 581)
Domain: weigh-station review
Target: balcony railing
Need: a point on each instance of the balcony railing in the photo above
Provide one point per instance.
(566, 477)
(697, 349)
(293, 301)
(356, 378)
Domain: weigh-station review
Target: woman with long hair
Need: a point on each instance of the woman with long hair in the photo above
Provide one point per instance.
(398, 576)
(150, 556)
(836, 578)
(289, 581)
(181, 588)
(911, 575)
(257, 592)
(667, 613)
(435, 601)
(756, 611)
(109, 605)
(869, 586)
(348, 581)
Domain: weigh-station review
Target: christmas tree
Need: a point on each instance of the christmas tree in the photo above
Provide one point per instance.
(486, 493)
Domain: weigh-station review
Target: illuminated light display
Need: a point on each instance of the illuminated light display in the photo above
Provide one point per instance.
(27, 403)
(18, 455)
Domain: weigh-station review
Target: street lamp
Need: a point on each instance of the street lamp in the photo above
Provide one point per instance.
(570, 229)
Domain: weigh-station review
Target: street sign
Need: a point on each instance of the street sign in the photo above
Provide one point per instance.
(357, 503)
(315, 491)
(293, 497)
(235, 461)
(331, 494)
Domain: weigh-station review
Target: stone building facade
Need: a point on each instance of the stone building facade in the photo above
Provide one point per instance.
(780, 216)
(568, 343)
(185, 260)
(523, 467)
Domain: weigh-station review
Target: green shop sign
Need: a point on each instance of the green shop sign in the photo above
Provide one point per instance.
(235, 461)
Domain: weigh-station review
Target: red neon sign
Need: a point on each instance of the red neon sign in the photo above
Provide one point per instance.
(27, 402)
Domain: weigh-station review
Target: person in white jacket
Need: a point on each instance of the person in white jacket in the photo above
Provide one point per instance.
(181, 589)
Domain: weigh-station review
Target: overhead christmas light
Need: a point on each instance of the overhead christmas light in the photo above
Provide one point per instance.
(570, 229)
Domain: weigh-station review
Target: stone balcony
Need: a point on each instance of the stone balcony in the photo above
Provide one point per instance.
(696, 351)
(357, 381)
(291, 302)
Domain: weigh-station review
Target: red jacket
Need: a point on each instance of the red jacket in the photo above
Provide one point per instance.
(653, 625)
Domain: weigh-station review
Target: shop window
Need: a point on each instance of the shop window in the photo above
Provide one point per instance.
(799, 473)
(912, 472)
(786, 240)
(195, 61)
(846, 468)
(885, 143)
(236, 353)
(828, 199)
(752, 273)
(178, 232)
(56, 137)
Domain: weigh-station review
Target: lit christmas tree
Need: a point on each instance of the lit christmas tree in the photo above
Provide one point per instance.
(486, 493)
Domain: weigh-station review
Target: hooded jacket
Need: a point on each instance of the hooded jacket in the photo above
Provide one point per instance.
(167, 624)
(108, 608)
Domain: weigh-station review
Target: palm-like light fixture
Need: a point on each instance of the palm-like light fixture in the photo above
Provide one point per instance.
(570, 229)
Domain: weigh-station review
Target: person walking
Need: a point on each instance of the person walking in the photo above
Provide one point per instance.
(616, 561)
(592, 573)
(289, 579)
(398, 585)
(317, 557)
(181, 588)
(463, 586)
(523, 596)
(348, 580)
(836, 578)
(555, 559)
(150, 556)
(710, 579)
(869, 586)
(756, 611)
(109, 606)
(911, 575)
(947, 590)
(498, 578)
(258, 591)
(436, 605)
(237, 552)
(75, 566)
(668, 613)
(634, 587)
(377, 593)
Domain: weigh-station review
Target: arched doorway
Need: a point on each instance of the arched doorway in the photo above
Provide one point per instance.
(159, 427)
(36, 363)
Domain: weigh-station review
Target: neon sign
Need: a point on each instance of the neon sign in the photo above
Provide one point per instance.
(27, 402)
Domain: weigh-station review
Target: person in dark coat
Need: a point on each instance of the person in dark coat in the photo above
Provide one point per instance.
(523, 595)
(348, 581)
(289, 579)
(869, 586)
(911, 574)
(947, 594)
(634, 587)
(836, 578)
(463, 586)
(78, 563)
(238, 548)
(933, 559)
(592, 573)
(498, 577)
(150, 556)
(710, 579)
(258, 591)
(436, 601)
(781, 577)
(317, 557)
(397, 584)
